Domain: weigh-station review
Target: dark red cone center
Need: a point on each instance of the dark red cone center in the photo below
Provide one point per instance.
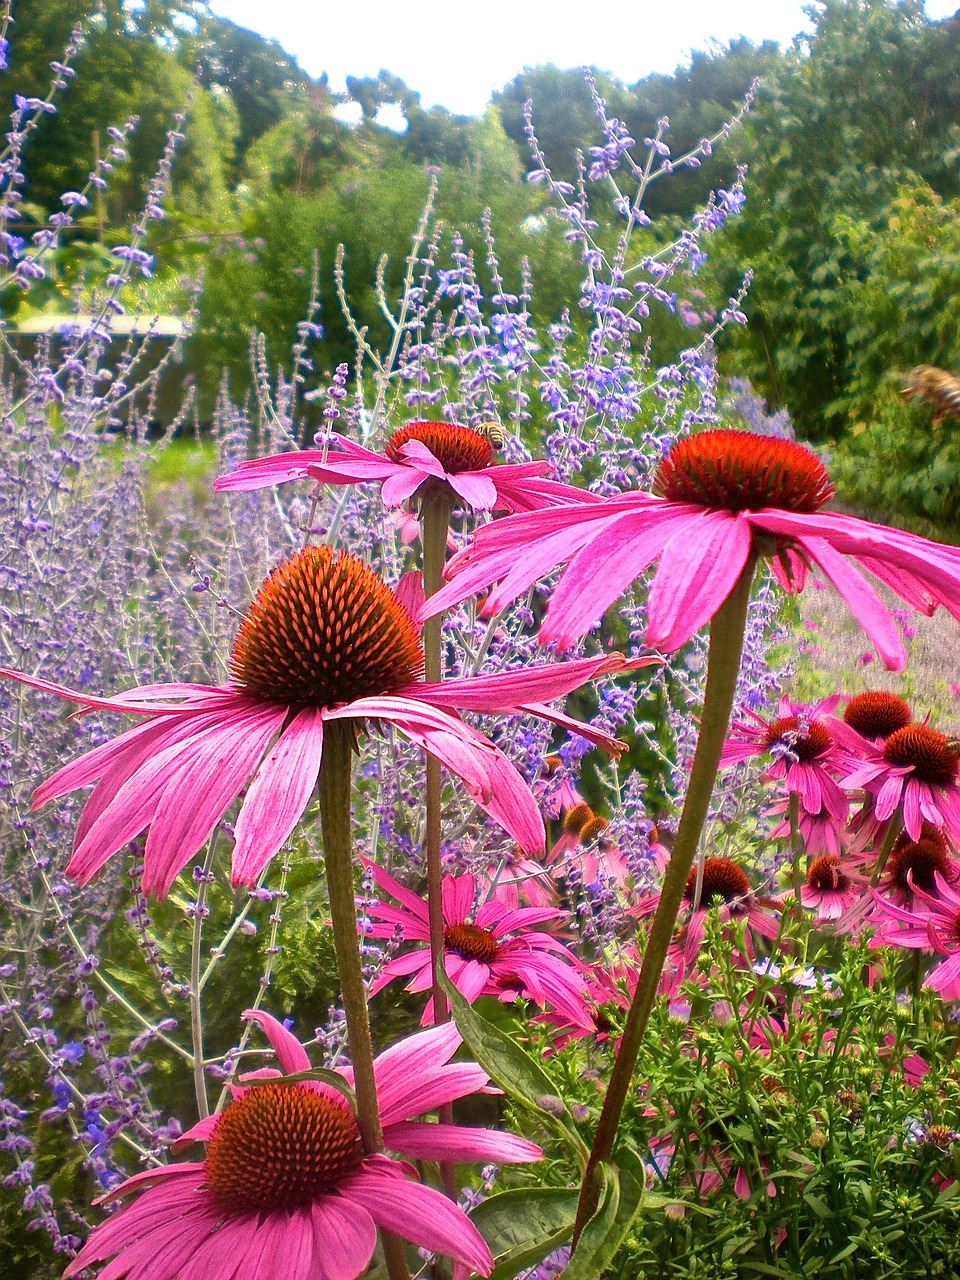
(280, 1146)
(456, 448)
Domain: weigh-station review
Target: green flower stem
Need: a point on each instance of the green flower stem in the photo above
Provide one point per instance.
(894, 827)
(434, 523)
(796, 848)
(196, 1015)
(334, 789)
(726, 644)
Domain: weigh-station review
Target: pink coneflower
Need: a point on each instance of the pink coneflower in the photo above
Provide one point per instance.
(875, 713)
(804, 752)
(725, 887)
(490, 948)
(286, 1188)
(323, 641)
(931, 923)
(416, 457)
(719, 498)
(582, 847)
(829, 889)
(914, 768)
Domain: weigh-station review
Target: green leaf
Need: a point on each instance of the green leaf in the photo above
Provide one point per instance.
(620, 1202)
(523, 1226)
(518, 1074)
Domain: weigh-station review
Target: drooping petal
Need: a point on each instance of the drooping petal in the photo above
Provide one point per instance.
(862, 600)
(290, 1052)
(277, 796)
(509, 690)
(401, 485)
(416, 1213)
(491, 780)
(344, 1237)
(477, 490)
(599, 574)
(457, 894)
(698, 569)
(200, 792)
(134, 806)
(422, 1140)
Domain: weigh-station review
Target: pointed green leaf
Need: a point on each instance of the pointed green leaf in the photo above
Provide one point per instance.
(518, 1074)
(523, 1226)
(620, 1201)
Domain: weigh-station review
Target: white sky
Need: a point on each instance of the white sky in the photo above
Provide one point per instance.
(458, 54)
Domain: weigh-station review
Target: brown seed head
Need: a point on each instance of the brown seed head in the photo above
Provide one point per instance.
(877, 714)
(576, 818)
(455, 448)
(826, 874)
(723, 881)
(741, 471)
(928, 752)
(805, 746)
(592, 830)
(278, 1147)
(916, 861)
(471, 942)
(323, 629)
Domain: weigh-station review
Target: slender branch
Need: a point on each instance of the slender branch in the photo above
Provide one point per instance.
(726, 644)
(196, 1012)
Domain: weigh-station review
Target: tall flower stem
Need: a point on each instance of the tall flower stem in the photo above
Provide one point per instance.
(334, 789)
(726, 645)
(434, 523)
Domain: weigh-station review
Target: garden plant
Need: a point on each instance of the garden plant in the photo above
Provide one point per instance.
(418, 857)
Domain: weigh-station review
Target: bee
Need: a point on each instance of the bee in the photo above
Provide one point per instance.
(937, 387)
(495, 434)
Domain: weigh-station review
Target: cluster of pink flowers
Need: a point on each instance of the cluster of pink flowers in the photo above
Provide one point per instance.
(326, 642)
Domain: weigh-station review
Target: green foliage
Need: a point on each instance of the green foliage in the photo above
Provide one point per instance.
(866, 103)
(788, 1123)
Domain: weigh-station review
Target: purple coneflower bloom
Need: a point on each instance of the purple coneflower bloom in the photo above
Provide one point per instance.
(804, 751)
(719, 498)
(416, 455)
(930, 923)
(324, 640)
(286, 1187)
(490, 948)
(915, 768)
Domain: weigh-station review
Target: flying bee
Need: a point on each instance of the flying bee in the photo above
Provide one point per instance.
(937, 387)
(495, 434)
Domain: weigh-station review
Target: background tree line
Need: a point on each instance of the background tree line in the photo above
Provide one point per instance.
(851, 224)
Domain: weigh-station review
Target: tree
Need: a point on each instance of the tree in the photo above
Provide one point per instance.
(262, 79)
(865, 104)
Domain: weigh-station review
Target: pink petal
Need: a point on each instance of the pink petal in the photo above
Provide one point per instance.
(134, 805)
(426, 1141)
(414, 904)
(478, 491)
(416, 454)
(458, 894)
(862, 600)
(200, 792)
(508, 690)
(605, 568)
(277, 796)
(697, 571)
(290, 1052)
(92, 764)
(416, 1213)
(403, 484)
(491, 780)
